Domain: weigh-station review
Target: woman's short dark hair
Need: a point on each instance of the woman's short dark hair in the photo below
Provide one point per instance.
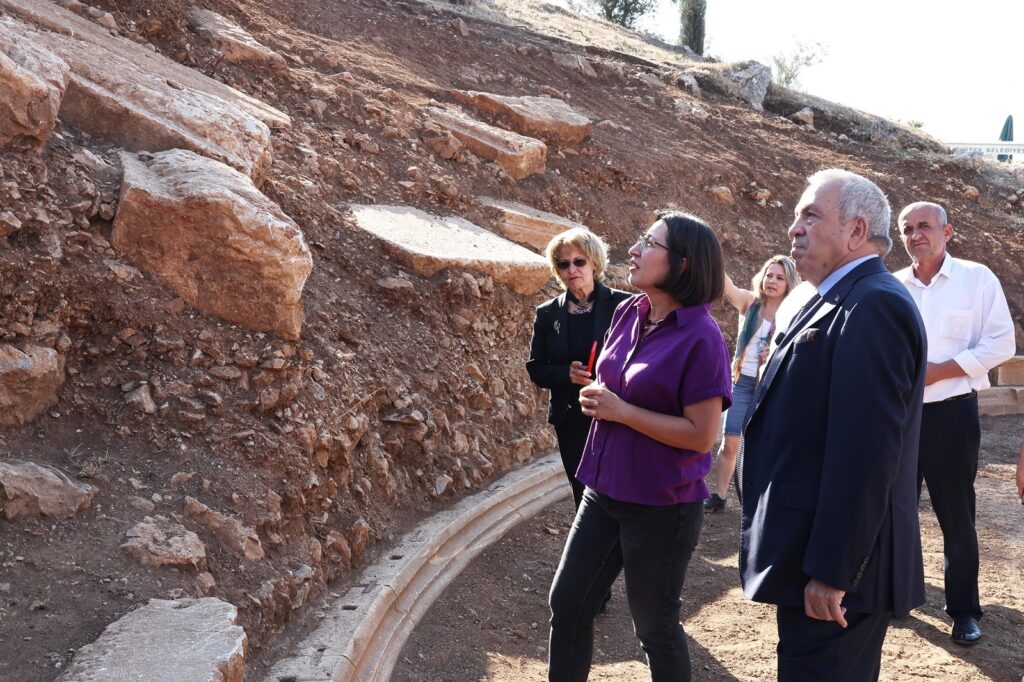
(696, 268)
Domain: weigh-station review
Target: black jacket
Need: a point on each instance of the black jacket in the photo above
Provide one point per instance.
(549, 361)
(829, 474)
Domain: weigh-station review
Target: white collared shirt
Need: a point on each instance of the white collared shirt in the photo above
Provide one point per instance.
(790, 306)
(804, 292)
(966, 318)
(840, 272)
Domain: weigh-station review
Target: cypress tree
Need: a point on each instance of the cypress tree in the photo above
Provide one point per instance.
(691, 24)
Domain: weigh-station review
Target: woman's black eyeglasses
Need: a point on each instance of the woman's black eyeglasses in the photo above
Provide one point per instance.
(564, 264)
(646, 241)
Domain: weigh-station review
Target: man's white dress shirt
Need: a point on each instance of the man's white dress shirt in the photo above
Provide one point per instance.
(966, 318)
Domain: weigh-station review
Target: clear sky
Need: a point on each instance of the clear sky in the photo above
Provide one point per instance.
(955, 66)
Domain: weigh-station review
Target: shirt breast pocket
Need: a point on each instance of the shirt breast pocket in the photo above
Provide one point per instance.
(955, 324)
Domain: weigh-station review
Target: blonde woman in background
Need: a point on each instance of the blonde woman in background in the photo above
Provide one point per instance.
(757, 308)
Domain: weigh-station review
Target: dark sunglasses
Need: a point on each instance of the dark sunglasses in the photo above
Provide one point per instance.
(564, 264)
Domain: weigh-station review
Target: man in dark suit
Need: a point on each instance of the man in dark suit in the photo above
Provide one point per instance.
(830, 528)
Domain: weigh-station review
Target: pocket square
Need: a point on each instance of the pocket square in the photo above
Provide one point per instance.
(808, 335)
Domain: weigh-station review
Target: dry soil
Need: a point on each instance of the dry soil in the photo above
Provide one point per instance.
(491, 623)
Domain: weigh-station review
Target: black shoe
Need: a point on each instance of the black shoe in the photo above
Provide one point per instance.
(965, 631)
(714, 503)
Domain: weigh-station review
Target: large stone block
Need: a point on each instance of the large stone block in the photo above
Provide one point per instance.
(1001, 400)
(545, 117)
(121, 92)
(746, 81)
(29, 380)
(520, 156)
(185, 640)
(527, 225)
(428, 244)
(207, 232)
(1011, 372)
(27, 489)
(32, 83)
(574, 62)
(235, 43)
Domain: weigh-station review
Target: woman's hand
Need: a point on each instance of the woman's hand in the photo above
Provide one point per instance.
(578, 374)
(599, 402)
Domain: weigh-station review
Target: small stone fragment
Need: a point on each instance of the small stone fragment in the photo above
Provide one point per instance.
(459, 26)
(441, 484)
(141, 503)
(395, 284)
(30, 377)
(722, 195)
(804, 117)
(28, 489)
(158, 541)
(106, 20)
(237, 536)
(141, 400)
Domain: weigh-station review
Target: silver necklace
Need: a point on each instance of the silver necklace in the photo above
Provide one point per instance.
(581, 307)
(651, 324)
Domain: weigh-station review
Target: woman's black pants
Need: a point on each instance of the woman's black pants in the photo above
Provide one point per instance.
(572, 436)
(651, 546)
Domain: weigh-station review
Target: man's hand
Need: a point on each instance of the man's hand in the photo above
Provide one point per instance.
(940, 371)
(822, 602)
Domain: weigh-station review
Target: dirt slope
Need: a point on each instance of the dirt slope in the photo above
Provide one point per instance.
(340, 452)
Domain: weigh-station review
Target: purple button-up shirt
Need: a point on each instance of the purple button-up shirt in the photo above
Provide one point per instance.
(682, 362)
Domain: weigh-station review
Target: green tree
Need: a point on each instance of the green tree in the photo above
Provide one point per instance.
(788, 67)
(691, 24)
(622, 12)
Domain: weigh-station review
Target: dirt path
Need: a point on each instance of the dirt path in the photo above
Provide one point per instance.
(491, 623)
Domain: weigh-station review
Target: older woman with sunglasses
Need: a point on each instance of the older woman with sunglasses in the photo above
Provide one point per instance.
(567, 331)
(661, 384)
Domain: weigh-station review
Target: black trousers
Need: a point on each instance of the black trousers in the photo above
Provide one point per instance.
(816, 650)
(948, 464)
(572, 437)
(651, 546)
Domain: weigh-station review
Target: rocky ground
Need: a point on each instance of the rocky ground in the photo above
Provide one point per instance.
(281, 445)
(491, 623)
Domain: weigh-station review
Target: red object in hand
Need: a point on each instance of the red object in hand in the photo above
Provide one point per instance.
(590, 362)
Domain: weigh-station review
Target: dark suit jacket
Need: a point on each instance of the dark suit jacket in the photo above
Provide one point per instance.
(829, 476)
(549, 361)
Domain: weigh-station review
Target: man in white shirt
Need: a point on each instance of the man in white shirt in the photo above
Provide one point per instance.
(970, 331)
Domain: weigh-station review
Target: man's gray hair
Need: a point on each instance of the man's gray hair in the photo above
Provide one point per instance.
(860, 198)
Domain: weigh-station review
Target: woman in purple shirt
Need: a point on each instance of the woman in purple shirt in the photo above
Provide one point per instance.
(661, 384)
